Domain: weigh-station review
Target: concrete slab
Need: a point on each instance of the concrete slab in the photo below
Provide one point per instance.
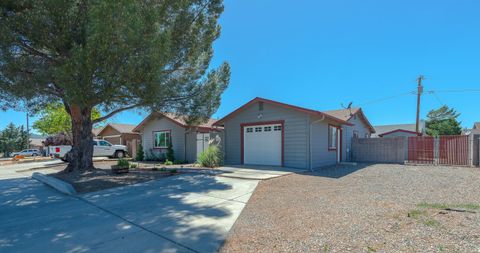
(256, 172)
(55, 183)
(195, 210)
(36, 217)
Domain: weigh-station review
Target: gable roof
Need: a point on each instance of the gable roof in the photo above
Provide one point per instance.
(347, 114)
(400, 130)
(121, 128)
(476, 125)
(288, 106)
(409, 128)
(96, 131)
(177, 119)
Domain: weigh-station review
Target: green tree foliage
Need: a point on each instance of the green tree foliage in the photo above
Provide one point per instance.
(54, 119)
(111, 55)
(13, 139)
(443, 121)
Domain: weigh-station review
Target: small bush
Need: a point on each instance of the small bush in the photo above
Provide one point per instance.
(133, 165)
(211, 157)
(168, 162)
(173, 171)
(140, 154)
(170, 154)
(123, 163)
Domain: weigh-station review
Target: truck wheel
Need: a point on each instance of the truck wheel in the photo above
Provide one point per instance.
(119, 154)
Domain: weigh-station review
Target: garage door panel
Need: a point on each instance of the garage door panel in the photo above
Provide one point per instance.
(263, 144)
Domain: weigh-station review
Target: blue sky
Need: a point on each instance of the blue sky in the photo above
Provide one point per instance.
(319, 54)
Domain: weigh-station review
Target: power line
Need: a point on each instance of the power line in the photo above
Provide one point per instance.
(456, 91)
(387, 98)
(431, 92)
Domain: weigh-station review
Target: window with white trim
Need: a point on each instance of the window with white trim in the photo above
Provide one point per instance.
(258, 129)
(162, 139)
(277, 128)
(332, 137)
(249, 129)
(267, 129)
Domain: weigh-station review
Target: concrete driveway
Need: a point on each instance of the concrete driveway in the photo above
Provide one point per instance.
(185, 213)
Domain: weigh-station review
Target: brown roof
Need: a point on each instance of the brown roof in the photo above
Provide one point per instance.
(347, 114)
(121, 128)
(177, 119)
(476, 125)
(294, 107)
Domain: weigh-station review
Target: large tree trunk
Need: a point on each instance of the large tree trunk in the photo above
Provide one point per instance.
(80, 157)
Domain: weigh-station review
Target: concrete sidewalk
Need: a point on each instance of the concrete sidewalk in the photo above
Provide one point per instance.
(256, 172)
(184, 213)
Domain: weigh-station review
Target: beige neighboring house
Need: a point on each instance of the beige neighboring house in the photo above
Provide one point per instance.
(36, 142)
(399, 130)
(119, 134)
(474, 135)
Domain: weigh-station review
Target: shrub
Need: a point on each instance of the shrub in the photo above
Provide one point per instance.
(179, 162)
(168, 162)
(133, 165)
(140, 154)
(170, 155)
(173, 171)
(211, 157)
(123, 163)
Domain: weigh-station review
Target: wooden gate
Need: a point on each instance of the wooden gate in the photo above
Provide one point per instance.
(453, 150)
(445, 150)
(421, 150)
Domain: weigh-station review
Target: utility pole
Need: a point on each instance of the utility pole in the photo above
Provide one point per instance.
(28, 131)
(419, 94)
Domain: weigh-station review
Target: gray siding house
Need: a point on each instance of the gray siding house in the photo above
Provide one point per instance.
(360, 128)
(188, 141)
(266, 132)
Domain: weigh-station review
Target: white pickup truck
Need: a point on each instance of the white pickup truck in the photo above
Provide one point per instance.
(100, 148)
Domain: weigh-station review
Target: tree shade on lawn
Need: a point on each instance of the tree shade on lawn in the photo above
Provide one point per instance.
(110, 55)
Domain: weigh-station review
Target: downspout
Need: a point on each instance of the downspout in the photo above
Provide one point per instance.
(310, 140)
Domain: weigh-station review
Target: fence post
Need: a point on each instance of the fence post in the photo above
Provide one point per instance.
(436, 150)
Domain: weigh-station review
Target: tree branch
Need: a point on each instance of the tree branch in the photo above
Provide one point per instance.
(115, 112)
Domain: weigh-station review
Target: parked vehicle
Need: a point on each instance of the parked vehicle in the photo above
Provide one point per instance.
(100, 148)
(27, 152)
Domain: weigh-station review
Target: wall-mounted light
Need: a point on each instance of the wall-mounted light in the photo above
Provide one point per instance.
(260, 115)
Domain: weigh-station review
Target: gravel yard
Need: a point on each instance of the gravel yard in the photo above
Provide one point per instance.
(364, 208)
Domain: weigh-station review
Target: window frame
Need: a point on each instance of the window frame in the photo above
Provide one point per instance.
(155, 139)
(337, 131)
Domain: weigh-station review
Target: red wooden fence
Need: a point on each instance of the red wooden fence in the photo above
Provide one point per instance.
(453, 150)
(447, 150)
(421, 150)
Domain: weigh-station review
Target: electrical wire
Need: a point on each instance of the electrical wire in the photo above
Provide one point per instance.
(387, 98)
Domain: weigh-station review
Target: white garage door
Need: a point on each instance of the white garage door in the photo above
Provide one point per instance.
(262, 145)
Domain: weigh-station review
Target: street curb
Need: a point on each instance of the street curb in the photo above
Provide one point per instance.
(56, 184)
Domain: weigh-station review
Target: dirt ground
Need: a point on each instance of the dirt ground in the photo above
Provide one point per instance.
(364, 208)
(102, 178)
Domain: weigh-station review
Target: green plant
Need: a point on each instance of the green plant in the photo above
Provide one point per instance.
(211, 157)
(133, 165)
(168, 162)
(170, 154)
(179, 162)
(415, 214)
(173, 171)
(140, 154)
(123, 163)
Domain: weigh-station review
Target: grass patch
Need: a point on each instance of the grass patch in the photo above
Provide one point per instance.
(415, 214)
(431, 222)
(470, 206)
(371, 249)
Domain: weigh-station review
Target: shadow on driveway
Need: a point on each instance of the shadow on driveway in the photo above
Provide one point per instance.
(190, 212)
